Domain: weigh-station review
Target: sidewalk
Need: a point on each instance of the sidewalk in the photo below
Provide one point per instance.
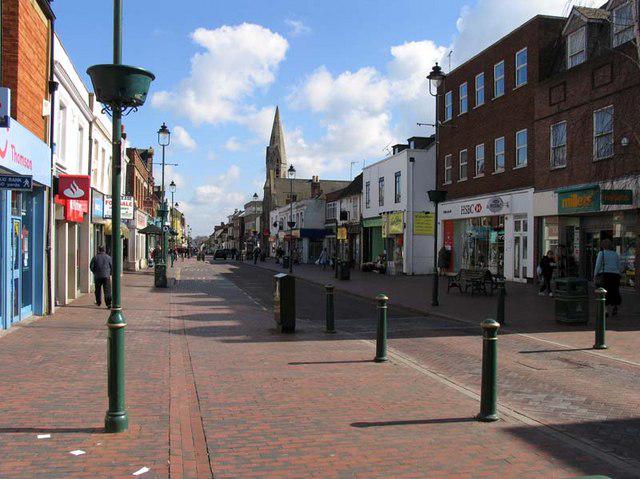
(526, 312)
(212, 390)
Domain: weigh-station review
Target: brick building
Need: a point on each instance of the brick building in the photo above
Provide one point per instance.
(140, 186)
(586, 128)
(485, 159)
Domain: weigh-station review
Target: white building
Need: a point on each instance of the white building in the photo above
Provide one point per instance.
(343, 218)
(308, 231)
(397, 214)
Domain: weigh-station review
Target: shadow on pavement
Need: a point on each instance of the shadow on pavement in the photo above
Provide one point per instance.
(410, 422)
(354, 361)
(52, 430)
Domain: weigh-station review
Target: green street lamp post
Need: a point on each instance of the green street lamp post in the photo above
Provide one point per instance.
(291, 173)
(164, 138)
(121, 89)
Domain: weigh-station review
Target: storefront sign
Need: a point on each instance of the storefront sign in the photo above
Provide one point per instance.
(617, 197)
(424, 223)
(586, 200)
(372, 222)
(98, 206)
(396, 223)
(24, 153)
(141, 220)
(126, 207)
(495, 204)
(342, 233)
(74, 210)
(16, 182)
(74, 187)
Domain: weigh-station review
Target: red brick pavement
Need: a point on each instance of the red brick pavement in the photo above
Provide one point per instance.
(213, 389)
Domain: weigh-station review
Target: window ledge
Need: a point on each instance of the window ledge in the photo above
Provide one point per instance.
(603, 159)
(446, 183)
(497, 97)
(558, 167)
(520, 166)
(463, 113)
(517, 87)
(478, 106)
(463, 179)
(497, 172)
(446, 121)
(481, 175)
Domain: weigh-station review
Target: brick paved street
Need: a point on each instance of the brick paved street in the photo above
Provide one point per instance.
(212, 390)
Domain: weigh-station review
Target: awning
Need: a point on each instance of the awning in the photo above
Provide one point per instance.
(372, 222)
(151, 230)
(124, 231)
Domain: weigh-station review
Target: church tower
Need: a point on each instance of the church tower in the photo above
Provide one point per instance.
(276, 154)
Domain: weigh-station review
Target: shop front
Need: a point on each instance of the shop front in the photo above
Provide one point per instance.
(23, 216)
(393, 238)
(97, 221)
(490, 233)
(573, 222)
(372, 241)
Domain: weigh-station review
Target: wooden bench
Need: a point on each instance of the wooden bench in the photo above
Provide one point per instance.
(476, 281)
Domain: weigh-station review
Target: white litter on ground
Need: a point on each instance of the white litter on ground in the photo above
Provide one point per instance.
(142, 470)
(77, 452)
(43, 436)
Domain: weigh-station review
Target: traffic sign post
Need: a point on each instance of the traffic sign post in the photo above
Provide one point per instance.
(16, 182)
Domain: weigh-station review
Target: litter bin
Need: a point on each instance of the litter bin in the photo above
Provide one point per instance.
(344, 272)
(284, 297)
(572, 300)
(285, 262)
(160, 275)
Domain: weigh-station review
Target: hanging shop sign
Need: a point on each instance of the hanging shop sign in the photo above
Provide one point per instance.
(126, 207)
(74, 187)
(342, 233)
(424, 223)
(24, 153)
(583, 200)
(141, 220)
(396, 223)
(617, 197)
(97, 212)
(16, 182)
(74, 210)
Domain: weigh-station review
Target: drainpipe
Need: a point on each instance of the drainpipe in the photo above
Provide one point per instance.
(53, 86)
(1, 78)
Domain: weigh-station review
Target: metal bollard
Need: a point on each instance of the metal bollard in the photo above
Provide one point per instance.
(328, 312)
(489, 391)
(601, 309)
(381, 339)
(501, 294)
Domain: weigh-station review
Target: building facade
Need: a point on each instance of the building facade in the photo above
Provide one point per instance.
(140, 187)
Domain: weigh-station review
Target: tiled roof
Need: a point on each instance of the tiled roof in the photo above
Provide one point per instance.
(593, 13)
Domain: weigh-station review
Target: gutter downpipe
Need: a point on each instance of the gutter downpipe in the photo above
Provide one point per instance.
(53, 86)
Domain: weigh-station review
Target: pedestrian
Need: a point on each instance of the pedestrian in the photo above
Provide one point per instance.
(444, 259)
(547, 264)
(607, 275)
(323, 259)
(101, 268)
(256, 254)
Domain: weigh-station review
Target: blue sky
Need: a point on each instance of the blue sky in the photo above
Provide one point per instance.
(348, 76)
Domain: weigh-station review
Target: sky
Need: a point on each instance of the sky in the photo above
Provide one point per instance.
(348, 76)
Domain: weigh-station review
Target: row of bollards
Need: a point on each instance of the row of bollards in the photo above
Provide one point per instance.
(489, 385)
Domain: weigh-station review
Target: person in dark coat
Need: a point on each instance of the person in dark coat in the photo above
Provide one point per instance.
(101, 268)
(547, 264)
(607, 275)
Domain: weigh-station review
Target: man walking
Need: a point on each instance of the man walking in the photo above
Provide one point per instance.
(101, 268)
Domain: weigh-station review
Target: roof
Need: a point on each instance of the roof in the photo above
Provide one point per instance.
(353, 188)
(593, 13)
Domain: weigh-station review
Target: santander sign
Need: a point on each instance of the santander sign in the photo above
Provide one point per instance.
(74, 187)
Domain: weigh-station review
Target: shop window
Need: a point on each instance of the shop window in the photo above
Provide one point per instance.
(576, 51)
(448, 168)
(480, 160)
(521, 148)
(367, 194)
(381, 191)
(603, 133)
(448, 106)
(559, 145)
(479, 244)
(463, 165)
(521, 67)
(463, 103)
(479, 89)
(499, 154)
(498, 79)
(397, 187)
(622, 24)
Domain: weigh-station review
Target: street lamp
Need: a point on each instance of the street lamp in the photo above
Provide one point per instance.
(120, 88)
(255, 218)
(291, 173)
(437, 197)
(164, 139)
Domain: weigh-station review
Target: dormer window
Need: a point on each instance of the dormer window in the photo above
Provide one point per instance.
(576, 47)
(622, 24)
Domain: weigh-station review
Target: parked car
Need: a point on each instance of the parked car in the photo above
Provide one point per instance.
(221, 253)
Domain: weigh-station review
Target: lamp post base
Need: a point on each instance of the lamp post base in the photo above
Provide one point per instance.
(116, 421)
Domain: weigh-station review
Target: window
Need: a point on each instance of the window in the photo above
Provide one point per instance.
(576, 53)
(521, 148)
(463, 165)
(499, 154)
(62, 131)
(622, 24)
(603, 133)
(464, 103)
(367, 194)
(81, 146)
(398, 192)
(559, 144)
(381, 191)
(331, 211)
(480, 160)
(480, 89)
(448, 106)
(448, 168)
(521, 67)
(498, 79)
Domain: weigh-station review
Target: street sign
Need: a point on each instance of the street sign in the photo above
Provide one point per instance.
(16, 182)
(166, 228)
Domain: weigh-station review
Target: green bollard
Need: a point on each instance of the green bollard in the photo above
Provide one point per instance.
(381, 339)
(489, 391)
(501, 294)
(328, 312)
(601, 308)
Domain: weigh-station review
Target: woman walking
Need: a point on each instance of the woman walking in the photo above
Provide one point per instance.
(607, 275)
(547, 263)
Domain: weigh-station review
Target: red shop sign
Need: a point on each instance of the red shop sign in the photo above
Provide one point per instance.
(74, 210)
(74, 187)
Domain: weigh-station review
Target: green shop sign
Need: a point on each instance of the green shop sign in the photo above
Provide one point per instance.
(617, 197)
(583, 200)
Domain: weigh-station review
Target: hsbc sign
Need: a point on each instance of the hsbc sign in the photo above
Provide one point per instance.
(471, 209)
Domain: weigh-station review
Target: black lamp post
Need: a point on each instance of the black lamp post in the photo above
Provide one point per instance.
(436, 83)
(291, 173)
(255, 218)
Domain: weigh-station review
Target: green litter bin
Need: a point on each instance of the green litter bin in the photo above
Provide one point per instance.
(572, 300)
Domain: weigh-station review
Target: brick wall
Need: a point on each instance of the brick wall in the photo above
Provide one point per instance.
(500, 117)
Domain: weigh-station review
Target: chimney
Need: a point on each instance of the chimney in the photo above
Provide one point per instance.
(315, 186)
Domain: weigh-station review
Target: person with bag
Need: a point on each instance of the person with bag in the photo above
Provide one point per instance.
(101, 267)
(607, 275)
(547, 263)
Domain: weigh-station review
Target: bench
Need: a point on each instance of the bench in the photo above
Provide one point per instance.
(478, 281)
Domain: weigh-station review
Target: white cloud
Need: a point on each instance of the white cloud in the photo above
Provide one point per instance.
(297, 27)
(232, 144)
(182, 138)
(170, 174)
(235, 62)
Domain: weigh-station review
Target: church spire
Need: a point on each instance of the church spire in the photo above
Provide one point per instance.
(276, 154)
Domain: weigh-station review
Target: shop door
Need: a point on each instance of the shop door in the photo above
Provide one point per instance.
(520, 248)
(592, 241)
(16, 228)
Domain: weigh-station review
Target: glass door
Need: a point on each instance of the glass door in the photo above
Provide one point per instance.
(520, 248)
(15, 278)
